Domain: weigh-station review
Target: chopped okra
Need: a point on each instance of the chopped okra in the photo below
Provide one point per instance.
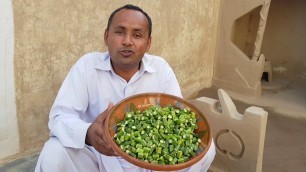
(159, 135)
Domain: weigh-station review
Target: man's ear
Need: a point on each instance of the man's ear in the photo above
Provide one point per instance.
(149, 44)
(106, 37)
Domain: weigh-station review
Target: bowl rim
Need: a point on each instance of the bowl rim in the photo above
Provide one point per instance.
(158, 167)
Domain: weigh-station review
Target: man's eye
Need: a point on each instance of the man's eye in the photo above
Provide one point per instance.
(138, 35)
(119, 32)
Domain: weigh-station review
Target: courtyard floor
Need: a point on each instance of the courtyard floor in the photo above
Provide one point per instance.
(285, 143)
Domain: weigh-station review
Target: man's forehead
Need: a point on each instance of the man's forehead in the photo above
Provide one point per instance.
(127, 16)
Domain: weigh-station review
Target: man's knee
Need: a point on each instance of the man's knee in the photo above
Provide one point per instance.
(52, 156)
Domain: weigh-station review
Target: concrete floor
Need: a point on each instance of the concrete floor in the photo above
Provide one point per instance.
(285, 144)
(26, 164)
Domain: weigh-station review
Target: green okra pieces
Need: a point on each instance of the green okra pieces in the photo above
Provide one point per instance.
(159, 135)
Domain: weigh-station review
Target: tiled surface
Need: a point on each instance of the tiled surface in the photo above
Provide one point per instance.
(26, 164)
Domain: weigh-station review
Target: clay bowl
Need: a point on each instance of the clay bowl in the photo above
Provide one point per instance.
(144, 101)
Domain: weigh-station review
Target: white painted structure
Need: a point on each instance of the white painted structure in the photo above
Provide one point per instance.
(9, 136)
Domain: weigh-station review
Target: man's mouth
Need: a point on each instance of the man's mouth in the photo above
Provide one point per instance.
(126, 53)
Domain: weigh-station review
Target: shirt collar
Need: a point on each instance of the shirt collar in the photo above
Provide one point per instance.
(146, 66)
(105, 64)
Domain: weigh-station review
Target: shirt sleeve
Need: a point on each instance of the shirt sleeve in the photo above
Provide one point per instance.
(65, 121)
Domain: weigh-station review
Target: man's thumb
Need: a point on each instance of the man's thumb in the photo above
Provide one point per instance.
(110, 105)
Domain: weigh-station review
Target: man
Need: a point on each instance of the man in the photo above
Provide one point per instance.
(77, 138)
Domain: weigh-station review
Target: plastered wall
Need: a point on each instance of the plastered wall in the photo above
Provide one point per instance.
(285, 39)
(50, 36)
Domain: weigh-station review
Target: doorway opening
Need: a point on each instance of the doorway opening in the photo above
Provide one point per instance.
(284, 44)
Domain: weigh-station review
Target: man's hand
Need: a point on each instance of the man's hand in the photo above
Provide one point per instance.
(96, 134)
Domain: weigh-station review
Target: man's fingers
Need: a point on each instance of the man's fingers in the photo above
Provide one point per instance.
(101, 143)
(104, 148)
(108, 152)
(105, 151)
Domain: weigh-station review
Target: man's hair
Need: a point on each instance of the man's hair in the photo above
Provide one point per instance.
(130, 7)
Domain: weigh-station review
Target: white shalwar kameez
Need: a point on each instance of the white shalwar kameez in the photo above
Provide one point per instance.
(85, 93)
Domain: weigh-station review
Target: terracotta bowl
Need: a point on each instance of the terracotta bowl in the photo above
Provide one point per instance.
(144, 101)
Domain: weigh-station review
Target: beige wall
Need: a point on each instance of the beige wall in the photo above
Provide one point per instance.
(285, 39)
(51, 35)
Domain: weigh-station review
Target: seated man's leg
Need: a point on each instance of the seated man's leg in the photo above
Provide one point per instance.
(201, 166)
(204, 164)
(56, 157)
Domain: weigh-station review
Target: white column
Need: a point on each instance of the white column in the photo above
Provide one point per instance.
(9, 135)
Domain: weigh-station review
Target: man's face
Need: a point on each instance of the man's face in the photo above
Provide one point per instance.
(127, 39)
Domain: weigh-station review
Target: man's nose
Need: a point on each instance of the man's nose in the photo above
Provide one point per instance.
(127, 40)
